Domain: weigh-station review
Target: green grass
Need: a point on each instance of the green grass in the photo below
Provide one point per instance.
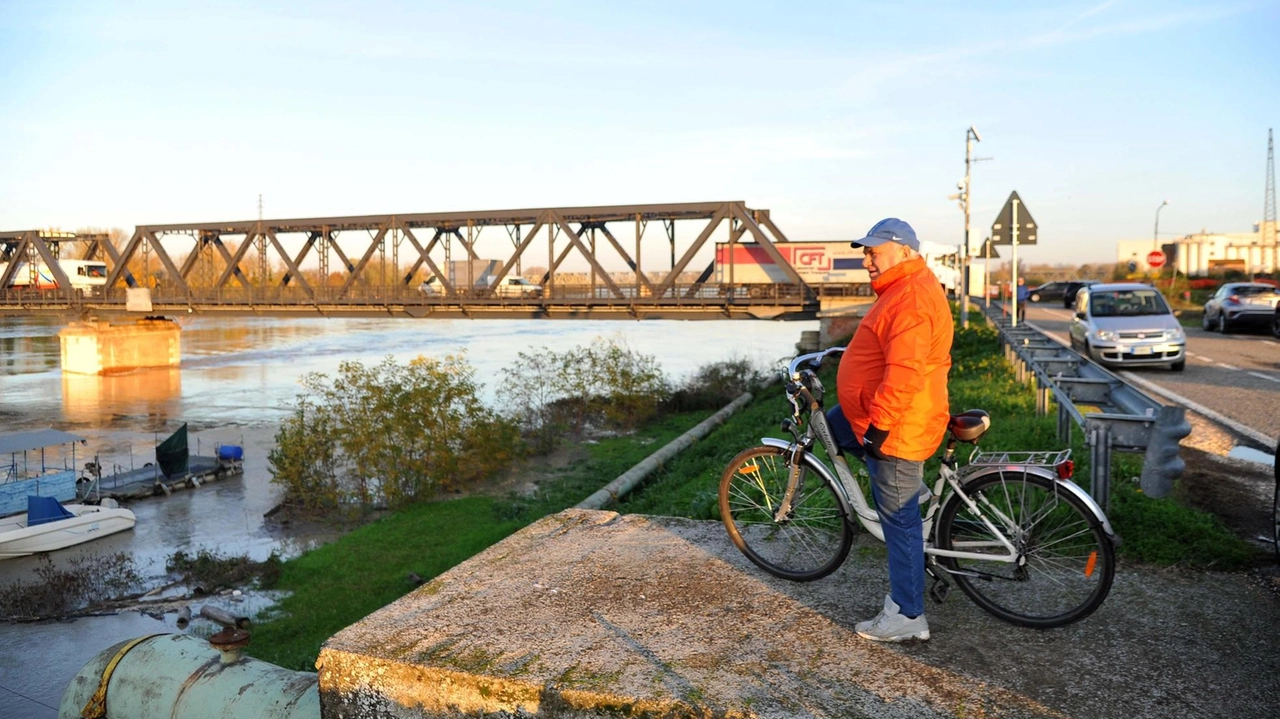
(1162, 532)
(338, 584)
(333, 586)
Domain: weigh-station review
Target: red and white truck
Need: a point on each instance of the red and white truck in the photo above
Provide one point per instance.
(817, 263)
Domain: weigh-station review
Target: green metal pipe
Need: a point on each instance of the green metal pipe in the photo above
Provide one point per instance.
(179, 676)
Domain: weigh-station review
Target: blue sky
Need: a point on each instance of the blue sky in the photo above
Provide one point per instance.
(832, 115)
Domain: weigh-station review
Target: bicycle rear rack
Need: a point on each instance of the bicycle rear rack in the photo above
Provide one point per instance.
(1035, 459)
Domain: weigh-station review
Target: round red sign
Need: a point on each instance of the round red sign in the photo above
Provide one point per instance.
(1155, 259)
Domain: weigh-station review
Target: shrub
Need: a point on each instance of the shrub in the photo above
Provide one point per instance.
(714, 385)
(388, 435)
(84, 580)
(607, 385)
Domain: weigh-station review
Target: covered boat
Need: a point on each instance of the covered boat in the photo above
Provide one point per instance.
(48, 525)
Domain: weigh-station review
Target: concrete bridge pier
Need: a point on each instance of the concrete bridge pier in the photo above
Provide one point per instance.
(838, 320)
(97, 348)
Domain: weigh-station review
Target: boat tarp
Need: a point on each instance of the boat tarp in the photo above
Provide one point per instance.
(59, 485)
(42, 510)
(23, 441)
(172, 453)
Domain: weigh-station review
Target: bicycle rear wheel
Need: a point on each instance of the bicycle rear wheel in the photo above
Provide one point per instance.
(807, 542)
(1065, 564)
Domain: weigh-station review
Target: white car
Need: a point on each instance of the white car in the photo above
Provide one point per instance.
(517, 287)
(1126, 325)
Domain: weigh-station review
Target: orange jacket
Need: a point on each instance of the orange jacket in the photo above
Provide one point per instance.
(894, 373)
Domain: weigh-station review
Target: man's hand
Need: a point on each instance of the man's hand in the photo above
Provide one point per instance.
(873, 442)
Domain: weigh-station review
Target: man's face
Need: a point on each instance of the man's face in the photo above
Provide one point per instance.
(878, 260)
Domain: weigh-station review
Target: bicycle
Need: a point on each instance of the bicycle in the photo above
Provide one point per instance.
(1012, 530)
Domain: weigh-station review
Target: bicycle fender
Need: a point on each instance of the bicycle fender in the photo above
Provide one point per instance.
(1065, 484)
(812, 463)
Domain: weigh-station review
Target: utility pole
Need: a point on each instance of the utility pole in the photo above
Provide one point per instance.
(1268, 228)
(970, 136)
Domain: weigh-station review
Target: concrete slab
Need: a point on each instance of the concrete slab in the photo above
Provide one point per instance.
(590, 613)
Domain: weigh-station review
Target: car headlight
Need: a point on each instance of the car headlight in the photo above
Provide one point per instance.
(1107, 336)
(1177, 335)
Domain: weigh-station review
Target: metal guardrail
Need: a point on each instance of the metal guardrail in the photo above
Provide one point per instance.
(1114, 415)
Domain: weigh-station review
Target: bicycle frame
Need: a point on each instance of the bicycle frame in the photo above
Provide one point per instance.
(853, 500)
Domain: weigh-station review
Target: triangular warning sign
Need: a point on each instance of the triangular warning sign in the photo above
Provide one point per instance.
(1002, 229)
(988, 250)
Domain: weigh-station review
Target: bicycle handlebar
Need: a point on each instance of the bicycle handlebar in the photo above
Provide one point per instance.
(813, 359)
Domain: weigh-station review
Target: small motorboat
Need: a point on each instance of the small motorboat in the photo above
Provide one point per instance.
(48, 525)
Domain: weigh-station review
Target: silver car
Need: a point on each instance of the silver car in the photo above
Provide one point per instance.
(1127, 325)
(1240, 304)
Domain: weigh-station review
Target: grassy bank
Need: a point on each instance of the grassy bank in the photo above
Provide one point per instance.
(338, 584)
(335, 585)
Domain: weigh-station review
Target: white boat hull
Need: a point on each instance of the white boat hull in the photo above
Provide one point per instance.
(90, 522)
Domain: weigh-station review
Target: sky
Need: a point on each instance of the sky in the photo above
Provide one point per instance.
(831, 115)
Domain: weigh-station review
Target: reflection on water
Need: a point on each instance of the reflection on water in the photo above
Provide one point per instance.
(95, 398)
(236, 376)
(28, 346)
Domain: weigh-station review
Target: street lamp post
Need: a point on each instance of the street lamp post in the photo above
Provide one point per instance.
(1155, 235)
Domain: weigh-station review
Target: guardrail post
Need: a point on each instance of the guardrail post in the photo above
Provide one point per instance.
(1042, 399)
(1099, 440)
(1064, 424)
(1162, 464)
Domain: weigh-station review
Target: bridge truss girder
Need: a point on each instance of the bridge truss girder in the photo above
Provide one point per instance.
(211, 243)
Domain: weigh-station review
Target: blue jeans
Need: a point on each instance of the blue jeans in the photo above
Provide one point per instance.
(895, 485)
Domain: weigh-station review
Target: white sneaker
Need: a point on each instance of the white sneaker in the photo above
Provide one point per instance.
(890, 626)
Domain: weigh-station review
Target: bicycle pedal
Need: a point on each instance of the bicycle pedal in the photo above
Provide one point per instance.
(939, 591)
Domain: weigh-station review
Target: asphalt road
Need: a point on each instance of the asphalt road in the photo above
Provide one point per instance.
(1236, 376)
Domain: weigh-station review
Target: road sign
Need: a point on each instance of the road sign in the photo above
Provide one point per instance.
(1002, 229)
(1155, 259)
(988, 250)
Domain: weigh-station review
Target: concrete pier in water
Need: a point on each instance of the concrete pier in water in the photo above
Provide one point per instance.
(95, 348)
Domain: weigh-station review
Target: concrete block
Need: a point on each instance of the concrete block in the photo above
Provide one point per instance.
(591, 614)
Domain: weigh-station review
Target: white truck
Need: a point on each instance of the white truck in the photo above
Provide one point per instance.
(86, 276)
(472, 276)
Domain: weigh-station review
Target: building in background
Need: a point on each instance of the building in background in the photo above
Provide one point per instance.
(1209, 253)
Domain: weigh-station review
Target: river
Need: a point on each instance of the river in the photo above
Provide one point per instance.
(236, 377)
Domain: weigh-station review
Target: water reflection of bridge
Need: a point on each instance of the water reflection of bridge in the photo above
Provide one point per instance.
(372, 265)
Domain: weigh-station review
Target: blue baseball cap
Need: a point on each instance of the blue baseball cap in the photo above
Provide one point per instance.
(890, 229)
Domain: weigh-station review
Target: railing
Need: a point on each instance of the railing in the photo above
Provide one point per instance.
(1114, 415)
(411, 301)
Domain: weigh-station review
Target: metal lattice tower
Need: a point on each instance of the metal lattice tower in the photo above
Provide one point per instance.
(1268, 228)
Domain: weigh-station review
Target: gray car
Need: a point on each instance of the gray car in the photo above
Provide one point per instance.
(1240, 304)
(1127, 325)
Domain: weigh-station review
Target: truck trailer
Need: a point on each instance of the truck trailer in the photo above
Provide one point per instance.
(818, 263)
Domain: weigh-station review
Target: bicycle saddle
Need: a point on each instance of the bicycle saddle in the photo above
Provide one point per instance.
(969, 425)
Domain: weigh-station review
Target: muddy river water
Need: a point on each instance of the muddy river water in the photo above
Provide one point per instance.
(235, 379)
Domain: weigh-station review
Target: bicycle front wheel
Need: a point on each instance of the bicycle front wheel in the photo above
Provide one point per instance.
(805, 540)
(1065, 561)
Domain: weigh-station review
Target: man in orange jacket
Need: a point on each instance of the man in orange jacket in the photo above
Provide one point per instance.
(892, 387)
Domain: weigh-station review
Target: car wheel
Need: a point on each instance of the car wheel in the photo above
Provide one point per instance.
(1223, 327)
(1178, 366)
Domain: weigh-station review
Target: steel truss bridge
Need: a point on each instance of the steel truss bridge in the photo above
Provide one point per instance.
(370, 265)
